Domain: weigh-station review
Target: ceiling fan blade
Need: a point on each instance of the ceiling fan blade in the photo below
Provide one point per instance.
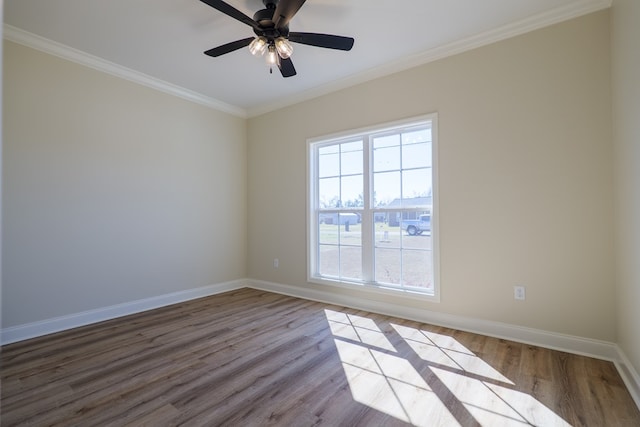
(232, 12)
(329, 41)
(285, 11)
(286, 67)
(229, 47)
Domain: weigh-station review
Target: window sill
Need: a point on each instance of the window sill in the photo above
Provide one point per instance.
(366, 289)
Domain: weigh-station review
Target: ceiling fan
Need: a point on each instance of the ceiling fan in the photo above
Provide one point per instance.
(271, 26)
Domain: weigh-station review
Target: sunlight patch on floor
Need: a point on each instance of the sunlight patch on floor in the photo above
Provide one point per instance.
(443, 350)
(493, 405)
(357, 328)
(403, 387)
(531, 409)
(391, 385)
(441, 341)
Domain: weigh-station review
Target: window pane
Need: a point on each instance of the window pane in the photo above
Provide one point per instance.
(329, 149)
(328, 229)
(388, 266)
(328, 161)
(329, 192)
(352, 191)
(351, 262)
(351, 158)
(350, 230)
(416, 183)
(416, 136)
(388, 231)
(416, 231)
(386, 159)
(329, 257)
(386, 141)
(417, 269)
(416, 155)
(386, 188)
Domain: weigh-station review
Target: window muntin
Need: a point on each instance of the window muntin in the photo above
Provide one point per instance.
(365, 188)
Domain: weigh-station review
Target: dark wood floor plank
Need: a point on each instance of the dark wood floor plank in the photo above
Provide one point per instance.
(254, 358)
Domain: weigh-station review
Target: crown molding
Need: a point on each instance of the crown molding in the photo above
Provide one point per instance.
(535, 22)
(60, 50)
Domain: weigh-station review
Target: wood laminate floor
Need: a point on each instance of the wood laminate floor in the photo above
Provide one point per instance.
(249, 357)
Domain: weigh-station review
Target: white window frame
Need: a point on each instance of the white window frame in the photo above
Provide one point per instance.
(367, 238)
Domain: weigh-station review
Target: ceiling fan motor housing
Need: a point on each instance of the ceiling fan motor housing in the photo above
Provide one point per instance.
(264, 18)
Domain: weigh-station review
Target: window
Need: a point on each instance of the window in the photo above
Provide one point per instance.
(373, 208)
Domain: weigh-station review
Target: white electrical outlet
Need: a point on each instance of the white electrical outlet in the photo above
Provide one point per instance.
(276, 263)
(519, 293)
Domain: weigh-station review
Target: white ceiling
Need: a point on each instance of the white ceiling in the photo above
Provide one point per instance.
(161, 42)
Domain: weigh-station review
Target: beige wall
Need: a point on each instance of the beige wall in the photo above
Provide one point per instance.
(626, 130)
(113, 192)
(525, 176)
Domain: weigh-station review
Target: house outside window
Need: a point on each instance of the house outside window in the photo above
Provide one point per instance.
(372, 208)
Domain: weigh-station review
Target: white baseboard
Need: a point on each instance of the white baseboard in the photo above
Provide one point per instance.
(31, 330)
(552, 340)
(567, 343)
(629, 375)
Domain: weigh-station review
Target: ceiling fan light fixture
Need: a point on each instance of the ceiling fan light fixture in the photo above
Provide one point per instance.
(272, 56)
(258, 46)
(283, 47)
